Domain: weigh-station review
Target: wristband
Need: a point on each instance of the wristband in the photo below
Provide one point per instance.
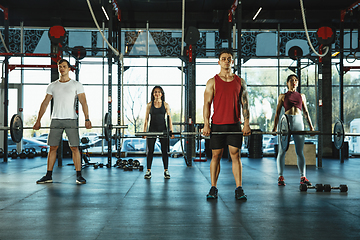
(87, 120)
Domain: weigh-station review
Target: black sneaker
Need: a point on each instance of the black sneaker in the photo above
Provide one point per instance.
(213, 193)
(239, 194)
(166, 174)
(147, 174)
(80, 180)
(45, 179)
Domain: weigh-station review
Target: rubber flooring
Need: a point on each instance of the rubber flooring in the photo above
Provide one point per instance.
(118, 204)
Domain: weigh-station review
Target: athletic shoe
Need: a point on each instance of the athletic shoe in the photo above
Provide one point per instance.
(304, 180)
(213, 193)
(167, 174)
(147, 174)
(239, 194)
(45, 179)
(80, 180)
(281, 181)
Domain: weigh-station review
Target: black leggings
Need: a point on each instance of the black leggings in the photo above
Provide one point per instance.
(164, 149)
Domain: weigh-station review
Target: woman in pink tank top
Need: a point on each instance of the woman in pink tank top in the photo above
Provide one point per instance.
(295, 105)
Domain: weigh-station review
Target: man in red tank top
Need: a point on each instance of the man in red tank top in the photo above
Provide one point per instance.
(227, 92)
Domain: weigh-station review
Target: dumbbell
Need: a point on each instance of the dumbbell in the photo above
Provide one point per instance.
(31, 153)
(44, 152)
(123, 164)
(22, 155)
(96, 165)
(342, 187)
(118, 163)
(130, 161)
(128, 167)
(136, 165)
(101, 165)
(318, 187)
(14, 154)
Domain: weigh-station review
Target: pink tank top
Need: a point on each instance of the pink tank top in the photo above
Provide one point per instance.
(226, 101)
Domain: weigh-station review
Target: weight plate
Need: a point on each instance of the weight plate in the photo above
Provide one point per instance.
(107, 126)
(325, 35)
(192, 35)
(339, 134)
(295, 52)
(327, 188)
(303, 187)
(79, 52)
(343, 188)
(284, 133)
(16, 128)
(57, 34)
(319, 187)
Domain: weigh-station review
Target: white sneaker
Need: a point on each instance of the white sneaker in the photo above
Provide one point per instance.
(147, 174)
(166, 174)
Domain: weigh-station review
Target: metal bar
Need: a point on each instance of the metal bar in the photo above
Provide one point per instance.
(341, 80)
(17, 128)
(5, 84)
(141, 134)
(138, 134)
(145, 134)
(118, 126)
(352, 134)
(29, 54)
(307, 132)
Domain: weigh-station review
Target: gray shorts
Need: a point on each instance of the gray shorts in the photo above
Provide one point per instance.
(57, 128)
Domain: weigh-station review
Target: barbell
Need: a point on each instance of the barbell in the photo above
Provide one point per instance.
(16, 127)
(284, 133)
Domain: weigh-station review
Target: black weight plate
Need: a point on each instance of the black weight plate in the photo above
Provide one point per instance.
(79, 52)
(107, 126)
(343, 188)
(192, 35)
(319, 187)
(339, 134)
(285, 133)
(16, 128)
(303, 187)
(136, 163)
(295, 52)
(327, 188)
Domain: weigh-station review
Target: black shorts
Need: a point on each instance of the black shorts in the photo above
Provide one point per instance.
(219, 141)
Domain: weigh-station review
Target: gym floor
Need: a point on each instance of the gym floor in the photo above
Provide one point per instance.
(115, 204)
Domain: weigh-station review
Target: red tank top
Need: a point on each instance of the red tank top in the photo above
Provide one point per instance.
(226, 101)
(292, 99)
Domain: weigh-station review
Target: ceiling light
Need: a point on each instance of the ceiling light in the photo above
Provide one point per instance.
(335, 54)
(107, 17)
(257, 13)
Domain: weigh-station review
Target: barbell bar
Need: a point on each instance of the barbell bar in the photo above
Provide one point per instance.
(16, 127)
(284, 133)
